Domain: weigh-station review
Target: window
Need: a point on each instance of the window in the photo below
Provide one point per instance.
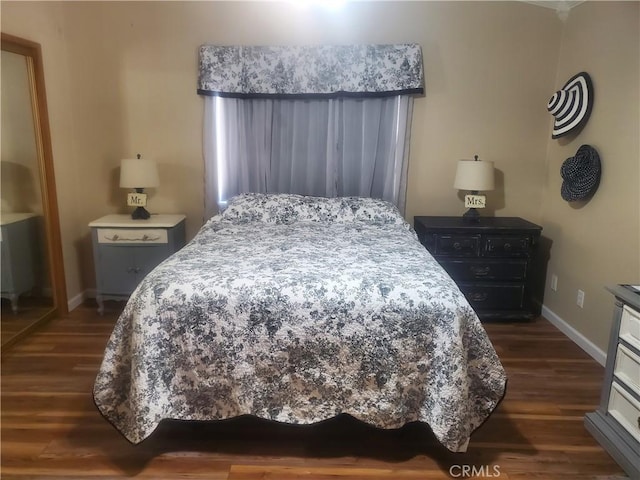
(317, 120)
(321, 147)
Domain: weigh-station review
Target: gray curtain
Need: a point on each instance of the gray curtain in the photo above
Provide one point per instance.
(332, 147)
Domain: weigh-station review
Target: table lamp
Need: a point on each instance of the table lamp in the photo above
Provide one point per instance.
(138, 173)
(474, 175)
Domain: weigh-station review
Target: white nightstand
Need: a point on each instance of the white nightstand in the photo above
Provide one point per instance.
(125, 250)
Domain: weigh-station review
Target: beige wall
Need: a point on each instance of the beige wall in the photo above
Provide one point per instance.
(121, 80)
(597, 243)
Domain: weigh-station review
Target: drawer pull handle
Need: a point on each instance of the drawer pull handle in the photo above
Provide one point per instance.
(507, 246)
(478, 296)
(457, 246)
(133, 270)
(480, 271)
(145, 238)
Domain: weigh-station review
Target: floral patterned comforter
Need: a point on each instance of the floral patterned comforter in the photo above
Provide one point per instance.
(297, 309)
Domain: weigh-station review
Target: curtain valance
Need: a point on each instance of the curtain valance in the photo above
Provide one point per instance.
(310, 71)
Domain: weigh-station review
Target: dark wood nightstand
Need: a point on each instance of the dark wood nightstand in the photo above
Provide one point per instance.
(492, 261)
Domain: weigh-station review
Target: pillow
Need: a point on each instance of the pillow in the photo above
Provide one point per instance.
(259, 207)
(374, 210)
(281, 208)
(287, 208)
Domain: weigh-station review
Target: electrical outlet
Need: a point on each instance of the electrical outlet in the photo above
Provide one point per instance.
(580, 299)
(554, 282)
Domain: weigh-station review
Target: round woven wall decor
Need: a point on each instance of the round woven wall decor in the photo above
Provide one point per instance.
(580, 174)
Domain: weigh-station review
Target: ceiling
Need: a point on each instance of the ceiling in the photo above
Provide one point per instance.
(559, 5)
(562, 7)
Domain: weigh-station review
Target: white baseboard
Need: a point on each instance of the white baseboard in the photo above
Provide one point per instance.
(583, 342)
(79, 299)
(76, 301)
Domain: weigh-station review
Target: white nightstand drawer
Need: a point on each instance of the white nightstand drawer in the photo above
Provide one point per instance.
(630, 326)
(627, 368)
(132, 235)
(625, 409)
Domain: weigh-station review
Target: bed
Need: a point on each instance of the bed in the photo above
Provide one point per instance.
(298, 309)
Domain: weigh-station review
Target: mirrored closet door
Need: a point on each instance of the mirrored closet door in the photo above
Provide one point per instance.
(32, 284)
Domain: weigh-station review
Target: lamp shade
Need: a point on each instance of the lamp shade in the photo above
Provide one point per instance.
(138, 173)
(474, 175)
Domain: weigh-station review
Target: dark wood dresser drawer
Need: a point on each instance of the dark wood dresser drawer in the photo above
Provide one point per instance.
(492, 260)
(507, 246)
(493, 296)
(485, 269)
(457, 245)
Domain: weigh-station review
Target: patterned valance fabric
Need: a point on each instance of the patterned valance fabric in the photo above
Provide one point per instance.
(310, 71)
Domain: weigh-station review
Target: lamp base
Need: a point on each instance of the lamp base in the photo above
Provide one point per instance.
(471, 216)
(140, 213)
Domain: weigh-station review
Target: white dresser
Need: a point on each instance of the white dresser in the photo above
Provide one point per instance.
(616, 423)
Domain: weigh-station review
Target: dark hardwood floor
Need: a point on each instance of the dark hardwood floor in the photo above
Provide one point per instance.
(30, 309)
(52, 430)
